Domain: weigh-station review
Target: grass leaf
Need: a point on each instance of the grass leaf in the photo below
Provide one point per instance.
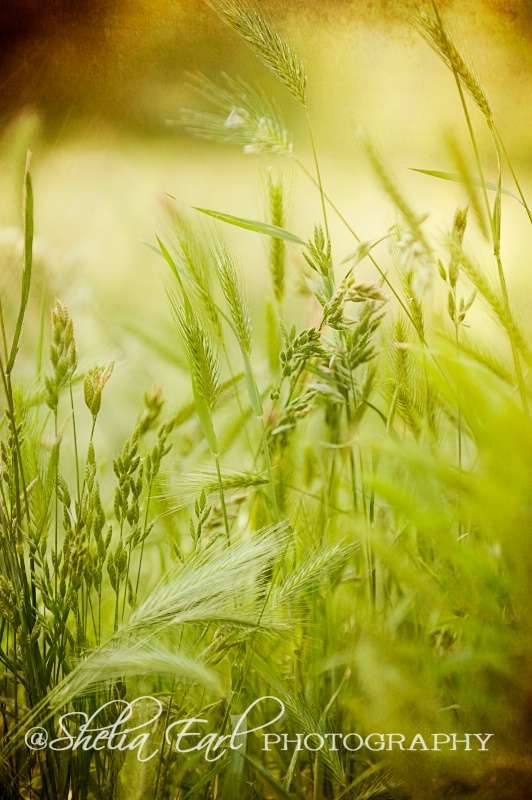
(457, 178)
(253, 225)
(28, 260)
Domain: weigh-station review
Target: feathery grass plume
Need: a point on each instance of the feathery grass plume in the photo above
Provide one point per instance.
(203, 364)
(188, 246)
(216, 587)
(381, 783)
(277, 217)
(314, 567)
(147, 658)
(190, 483)
(274, 51)
(302, 715)
(242, 115)
(432, 29)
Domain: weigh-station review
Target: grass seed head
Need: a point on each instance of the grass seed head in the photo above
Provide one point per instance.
(274, 51)
(94, 383)
(434, 32)
(241, 115)
(229, 277)
(63, 356)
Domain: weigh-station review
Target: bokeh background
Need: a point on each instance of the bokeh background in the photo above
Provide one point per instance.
(90, 85)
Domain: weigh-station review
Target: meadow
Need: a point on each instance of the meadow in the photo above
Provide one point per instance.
(326, 508)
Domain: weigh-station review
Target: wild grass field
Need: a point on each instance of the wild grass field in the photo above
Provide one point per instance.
(322, 503)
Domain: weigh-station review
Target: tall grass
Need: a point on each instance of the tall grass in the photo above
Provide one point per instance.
(337, 516)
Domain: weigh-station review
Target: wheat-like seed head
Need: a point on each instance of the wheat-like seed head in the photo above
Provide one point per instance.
(275, 52)
(432, 29)
(188, 249)
(228, 275)
(277, 246)
(199, 350)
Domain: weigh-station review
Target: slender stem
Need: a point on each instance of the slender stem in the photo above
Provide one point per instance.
(56, 512)
(459, 401)
(514, 176)
(75, 438)
(3, 331)
(270, 471)
(91, 438)
(41, 338)
(145, 527)
(318, 175)
(222, 498)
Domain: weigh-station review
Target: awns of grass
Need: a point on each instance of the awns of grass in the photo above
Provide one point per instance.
(346, 529)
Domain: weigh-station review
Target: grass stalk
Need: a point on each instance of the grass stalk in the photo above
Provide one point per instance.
(222, 499)
(318, 174)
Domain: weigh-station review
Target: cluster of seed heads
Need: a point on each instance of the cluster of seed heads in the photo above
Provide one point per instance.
(63, 355)
(349, 291)
(319, 257)
(300, 347)
(129, 471)
(117, 566)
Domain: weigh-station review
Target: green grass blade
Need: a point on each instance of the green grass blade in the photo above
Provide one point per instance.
(28, 260)
(253, 225)
(457, 178)
(251, 385)
(167, 257)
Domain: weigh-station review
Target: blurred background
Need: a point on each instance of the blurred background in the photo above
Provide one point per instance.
(90, 85)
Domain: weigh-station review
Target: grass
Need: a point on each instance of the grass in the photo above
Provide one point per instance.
(340, 508)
